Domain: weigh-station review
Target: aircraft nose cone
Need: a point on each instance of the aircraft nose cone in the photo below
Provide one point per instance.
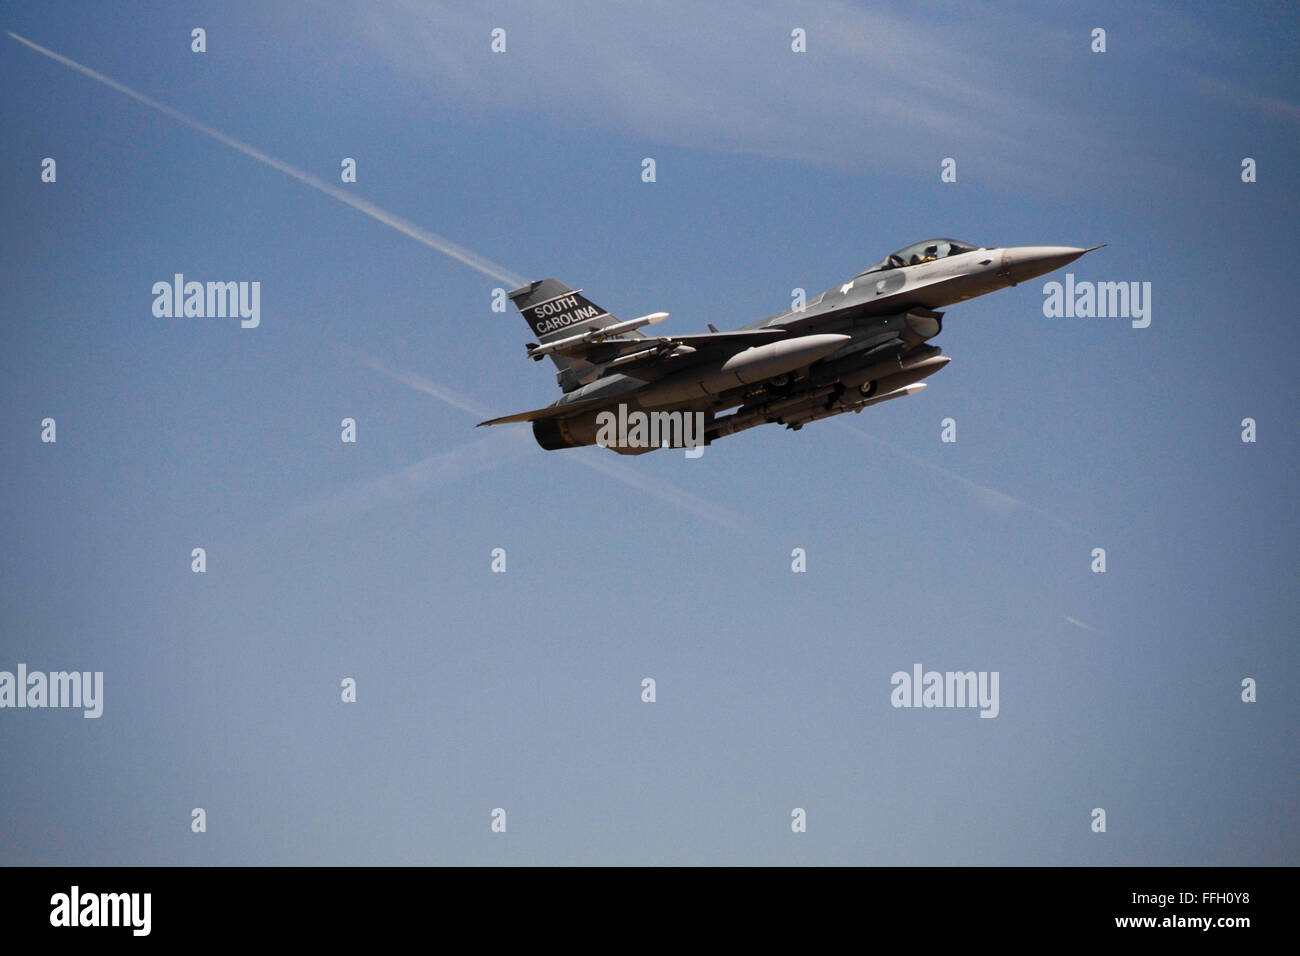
(1027, 262)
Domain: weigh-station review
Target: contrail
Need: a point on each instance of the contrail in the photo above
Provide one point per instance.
(662, 490)
(619, 471)
(440, 469)
(991, 498)
(432, 240)
(421, 384)
(1087, 627)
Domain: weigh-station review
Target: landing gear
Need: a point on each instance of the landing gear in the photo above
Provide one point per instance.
(867, 389)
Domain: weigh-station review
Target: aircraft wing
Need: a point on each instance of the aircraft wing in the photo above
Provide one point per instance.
(728, 342)
(712, 343)
(687, 350)
(641, 355)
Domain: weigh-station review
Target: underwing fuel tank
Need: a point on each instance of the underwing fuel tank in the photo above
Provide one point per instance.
(749, 367)
(905, 374)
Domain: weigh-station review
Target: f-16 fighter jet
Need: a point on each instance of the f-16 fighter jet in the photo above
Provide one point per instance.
(860, 343)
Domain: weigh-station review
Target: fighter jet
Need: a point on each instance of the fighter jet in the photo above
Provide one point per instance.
(859, 343)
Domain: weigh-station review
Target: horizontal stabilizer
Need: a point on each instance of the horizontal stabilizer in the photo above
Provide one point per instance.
(550, 411)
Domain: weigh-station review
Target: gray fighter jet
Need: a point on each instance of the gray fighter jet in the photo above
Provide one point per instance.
(857, 344)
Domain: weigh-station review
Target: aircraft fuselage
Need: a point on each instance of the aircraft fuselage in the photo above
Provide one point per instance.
(857, 344)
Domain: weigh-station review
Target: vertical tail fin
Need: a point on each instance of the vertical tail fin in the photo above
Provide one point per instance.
(554, 311)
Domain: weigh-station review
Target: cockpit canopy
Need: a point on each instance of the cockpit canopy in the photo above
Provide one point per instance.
(926, 251)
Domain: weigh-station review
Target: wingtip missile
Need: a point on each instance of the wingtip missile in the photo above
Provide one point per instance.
(896, 393)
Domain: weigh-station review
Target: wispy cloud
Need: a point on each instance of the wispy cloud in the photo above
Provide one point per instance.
(1270, 107)
(875, 85)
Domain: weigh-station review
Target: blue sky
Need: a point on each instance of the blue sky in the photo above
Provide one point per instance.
(522, 690)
